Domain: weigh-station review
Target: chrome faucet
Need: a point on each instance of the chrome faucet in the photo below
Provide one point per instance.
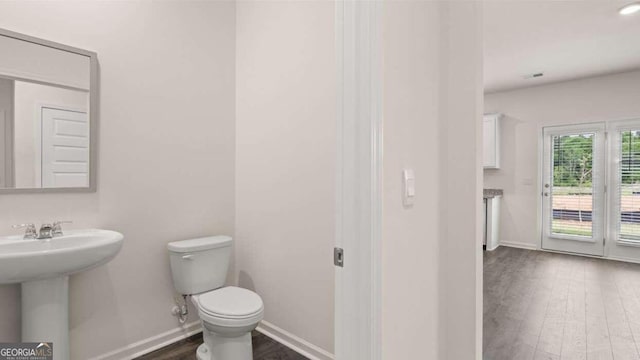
(47, 231)
(57, 228)
(29, 232)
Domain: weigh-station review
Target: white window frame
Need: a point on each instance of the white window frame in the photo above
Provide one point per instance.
(598, 233)
(614, 247)
(614, 219)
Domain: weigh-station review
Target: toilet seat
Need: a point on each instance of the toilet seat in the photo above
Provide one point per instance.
(230, 306)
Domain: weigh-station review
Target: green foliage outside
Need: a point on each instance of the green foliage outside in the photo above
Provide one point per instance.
(630, 161)
(572, 160)
(573, 157)
(573, 175)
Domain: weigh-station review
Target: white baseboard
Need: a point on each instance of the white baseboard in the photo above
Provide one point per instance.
(156, 342)
(608, 257)
(492, 248)
(622, 258)
(293, 342)
(519, 245)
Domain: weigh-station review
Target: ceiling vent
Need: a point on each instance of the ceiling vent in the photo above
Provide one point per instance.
(534, 76)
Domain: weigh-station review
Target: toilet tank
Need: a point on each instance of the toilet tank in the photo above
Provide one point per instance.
(199, 265)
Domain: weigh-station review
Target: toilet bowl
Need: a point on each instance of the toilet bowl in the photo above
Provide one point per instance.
(228, 314)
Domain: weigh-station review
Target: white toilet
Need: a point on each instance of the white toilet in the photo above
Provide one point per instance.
(228, 314)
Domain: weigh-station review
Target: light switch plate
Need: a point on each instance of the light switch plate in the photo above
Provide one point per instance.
(409, 191)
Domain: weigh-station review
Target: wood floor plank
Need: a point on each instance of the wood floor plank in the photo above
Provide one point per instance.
(542, 355)
(264, 348)
(574, 341)
(574, 337)
(503, 340)
(551, 335)
(598, 340)
(576, 304)
(622, 341)
(562, 307)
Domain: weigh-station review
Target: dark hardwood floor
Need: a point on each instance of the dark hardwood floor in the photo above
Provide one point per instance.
(264, 348)
(540, 305)
(537, 305)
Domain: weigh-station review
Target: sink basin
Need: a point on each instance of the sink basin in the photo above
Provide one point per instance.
(78, 250)
(43, 268)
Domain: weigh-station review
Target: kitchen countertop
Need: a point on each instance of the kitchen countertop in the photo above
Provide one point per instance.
(491, 193)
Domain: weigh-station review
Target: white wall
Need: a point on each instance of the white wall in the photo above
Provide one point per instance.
(461, 181)
(285, 162)
(432, 259)
(527, 111)
(410, 241)
(166, 71)
(28, 98)
(166, 153)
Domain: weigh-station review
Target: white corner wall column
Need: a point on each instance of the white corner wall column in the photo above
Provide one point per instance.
(461, 181)
(358, 199)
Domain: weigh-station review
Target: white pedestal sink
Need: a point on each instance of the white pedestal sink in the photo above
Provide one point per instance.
(43, 267)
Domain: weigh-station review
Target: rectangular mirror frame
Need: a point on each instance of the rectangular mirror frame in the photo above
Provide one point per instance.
(93, 115)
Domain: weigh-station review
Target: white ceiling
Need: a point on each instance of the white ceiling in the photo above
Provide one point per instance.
(562, 39)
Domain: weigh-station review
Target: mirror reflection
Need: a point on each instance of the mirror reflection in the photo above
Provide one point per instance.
(44, 117)
(46, 139)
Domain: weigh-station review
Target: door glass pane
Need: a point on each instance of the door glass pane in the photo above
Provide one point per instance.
(572, 187)
(629, 191)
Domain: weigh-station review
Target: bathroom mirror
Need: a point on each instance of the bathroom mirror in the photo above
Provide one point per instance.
(48, 116)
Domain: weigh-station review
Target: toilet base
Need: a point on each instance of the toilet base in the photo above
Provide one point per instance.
(217, 347)
(202, 353)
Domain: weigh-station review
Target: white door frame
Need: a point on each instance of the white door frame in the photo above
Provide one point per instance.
(359, 177)
(613, 249)
(37, 126)
(570, 243)
(616, 248)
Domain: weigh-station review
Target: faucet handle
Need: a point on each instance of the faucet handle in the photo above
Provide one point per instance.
(57, 227)
(56, 223)
(30, 230)
(20, 226)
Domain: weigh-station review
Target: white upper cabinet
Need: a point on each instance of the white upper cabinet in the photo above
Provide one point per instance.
(491, 141)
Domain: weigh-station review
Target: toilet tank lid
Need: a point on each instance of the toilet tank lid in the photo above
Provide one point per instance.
(199, 244)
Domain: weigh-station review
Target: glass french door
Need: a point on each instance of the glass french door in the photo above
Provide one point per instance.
(624, 191)
(573, 192)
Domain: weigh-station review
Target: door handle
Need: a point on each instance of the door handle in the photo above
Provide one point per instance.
(545, 193)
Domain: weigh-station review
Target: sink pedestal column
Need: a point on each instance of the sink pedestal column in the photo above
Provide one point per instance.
(45, 313)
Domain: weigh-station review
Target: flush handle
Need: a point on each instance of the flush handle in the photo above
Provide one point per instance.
(187, 257)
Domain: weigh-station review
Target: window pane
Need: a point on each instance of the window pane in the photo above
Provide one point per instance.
(629, 190)
(572, 188)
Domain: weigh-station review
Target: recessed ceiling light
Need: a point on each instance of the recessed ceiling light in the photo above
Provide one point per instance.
(630, 9)
(533, 76)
